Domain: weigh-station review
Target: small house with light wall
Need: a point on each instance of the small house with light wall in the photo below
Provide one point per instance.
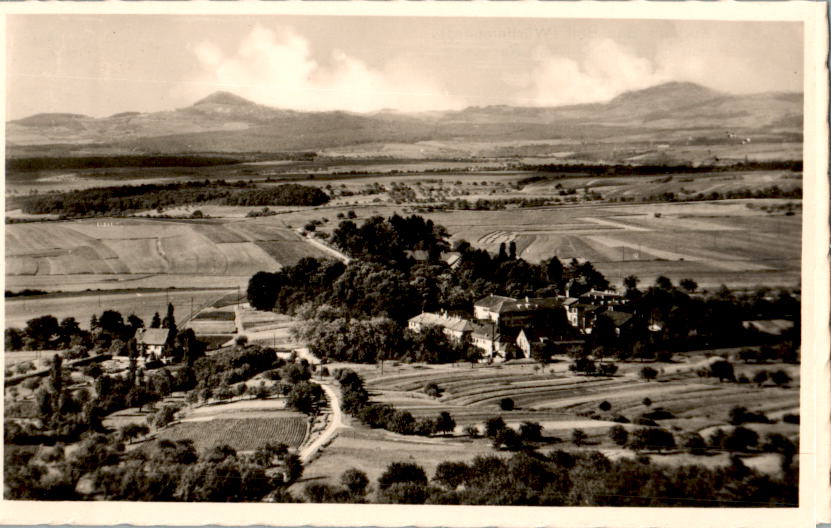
(151, 341)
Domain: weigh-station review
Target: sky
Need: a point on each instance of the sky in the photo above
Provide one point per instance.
(100, 65)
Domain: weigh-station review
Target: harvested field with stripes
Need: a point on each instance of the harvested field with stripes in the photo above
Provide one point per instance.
(242, 434)
(732, 242)
(131, 246)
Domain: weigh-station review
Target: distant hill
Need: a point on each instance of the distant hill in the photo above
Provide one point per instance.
(225, 122)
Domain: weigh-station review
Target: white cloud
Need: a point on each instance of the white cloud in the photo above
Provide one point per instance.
(607, 70)
(278, 69)
(722, 58)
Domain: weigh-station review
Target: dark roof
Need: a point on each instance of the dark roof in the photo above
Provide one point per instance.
(619, 318)
(484, 330)
(494, 302)
(151, 336)
(547, 302)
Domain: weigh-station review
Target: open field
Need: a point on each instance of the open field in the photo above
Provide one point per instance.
(711, 242)
(91, 282)
(242, 434)
(372, 450)
(83, 305)
(137, 246)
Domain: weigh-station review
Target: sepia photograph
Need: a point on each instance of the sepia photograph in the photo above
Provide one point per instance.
(406, 260)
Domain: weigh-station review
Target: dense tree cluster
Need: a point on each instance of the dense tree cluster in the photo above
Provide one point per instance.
(586, 478)
(130, 198)
(386, 240)
(380, 338)
(384, 287)
(240, 363)
(670, 317)
(162, 470)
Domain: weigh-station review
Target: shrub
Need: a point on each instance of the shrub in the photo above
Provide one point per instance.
(402, 472)
(695, 443)
(508, 438)
(432, 389)
(451, 474)
(493, 426)
(739, 415)
(791, 418)
(530, 431)
(643, 420)
(355, 481)
(619, 435)
(578, 437)
(652, 438)
(664, 356)
(648, 373)
(506, 404)
(472, 431)
(659, 414)
(604, 406)
(780, 378)
(741, 439)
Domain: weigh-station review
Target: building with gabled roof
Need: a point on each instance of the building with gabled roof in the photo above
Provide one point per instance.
(621, 320)
(419, 255)
(454, 327)
(151, 341)
(491, 307)
(452, 259)
(493, 344)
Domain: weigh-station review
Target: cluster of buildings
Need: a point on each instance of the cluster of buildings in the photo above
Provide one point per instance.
(508, 328)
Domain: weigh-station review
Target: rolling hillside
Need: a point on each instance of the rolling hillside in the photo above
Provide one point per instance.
(224, 122)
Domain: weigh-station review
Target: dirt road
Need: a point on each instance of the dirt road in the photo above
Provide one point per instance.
(335, 423)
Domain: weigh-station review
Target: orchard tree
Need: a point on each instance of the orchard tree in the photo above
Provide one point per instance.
(445, 423)
(689, 285)
(648, 373)
(780, 378)
(723, 370)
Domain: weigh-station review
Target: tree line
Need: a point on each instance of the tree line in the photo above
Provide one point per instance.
(28, 164)
(592, 169)
(124, 199)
